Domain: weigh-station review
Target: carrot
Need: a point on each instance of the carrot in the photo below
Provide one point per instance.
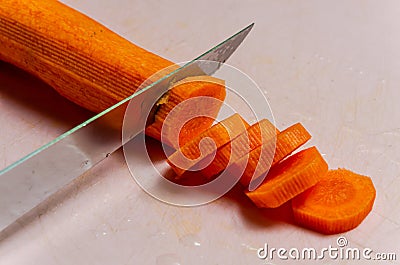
(204, 96)
(289, 178)
(205, 144)
(245, 142)
(81, 59)
(336, 204)
(287, 141)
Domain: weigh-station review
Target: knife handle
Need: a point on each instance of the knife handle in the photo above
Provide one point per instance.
(80, 58)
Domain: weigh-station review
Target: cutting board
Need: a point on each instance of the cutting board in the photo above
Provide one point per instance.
(334, 66)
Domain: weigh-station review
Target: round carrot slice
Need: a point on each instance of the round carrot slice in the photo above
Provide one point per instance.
(290, 178)
(287, 142)
(338, 203)
(254, 136)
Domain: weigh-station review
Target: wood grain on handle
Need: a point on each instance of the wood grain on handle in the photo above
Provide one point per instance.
(83, 60)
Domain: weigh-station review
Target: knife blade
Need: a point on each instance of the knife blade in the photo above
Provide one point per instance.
(30, 180)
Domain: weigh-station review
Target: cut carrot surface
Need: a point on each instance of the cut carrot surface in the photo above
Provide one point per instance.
(289, 178)
(338, 203)
(259, 159)
(206, 95)
(240, 146)
(206, 144)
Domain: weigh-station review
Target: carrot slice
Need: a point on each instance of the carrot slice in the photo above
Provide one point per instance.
(338, 203)
(254, 136)
(289, 178)
(205, 144)
(287, 142)
(206, 94)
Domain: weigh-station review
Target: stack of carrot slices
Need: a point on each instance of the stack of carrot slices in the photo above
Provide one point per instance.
(248, 140)
(196, 151)
(327, 201)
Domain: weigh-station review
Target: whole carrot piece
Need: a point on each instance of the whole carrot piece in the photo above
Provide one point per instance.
(80, 58)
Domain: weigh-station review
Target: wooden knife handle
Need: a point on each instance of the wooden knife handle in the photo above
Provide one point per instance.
(81, 59)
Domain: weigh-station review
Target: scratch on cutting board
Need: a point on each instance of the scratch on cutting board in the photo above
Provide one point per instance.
(396, 223)
(3, 155)
(183, 221)
(47, 240)
(393, 132)
(396, 162)
(182, 25)
(130, 23)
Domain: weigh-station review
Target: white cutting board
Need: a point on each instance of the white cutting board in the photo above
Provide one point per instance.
(332, 65)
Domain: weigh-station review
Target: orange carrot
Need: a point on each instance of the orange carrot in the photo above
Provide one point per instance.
(204, 96)
(81, 59)
(287, 142)
(205, 144)
(289, 178)
(336, 204)
(244, 143)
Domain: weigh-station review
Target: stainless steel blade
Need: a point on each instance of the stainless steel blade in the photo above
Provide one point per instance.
(33, 178)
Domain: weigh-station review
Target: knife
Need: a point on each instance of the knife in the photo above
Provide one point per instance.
(30, 180)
